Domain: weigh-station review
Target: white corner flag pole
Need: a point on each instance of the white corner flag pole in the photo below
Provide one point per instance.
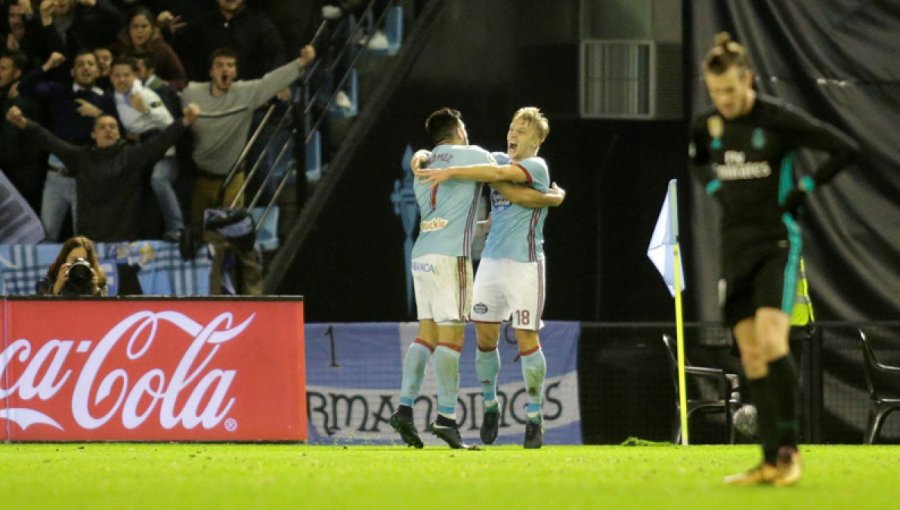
(679, 318)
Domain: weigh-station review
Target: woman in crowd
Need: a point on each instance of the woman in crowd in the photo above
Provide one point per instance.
(141, 35)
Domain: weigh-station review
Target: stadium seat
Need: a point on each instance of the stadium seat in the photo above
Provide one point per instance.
(351, 87)
(394, 29)
(882, 381)
(393, 32)
(725, 385)
(314, 156)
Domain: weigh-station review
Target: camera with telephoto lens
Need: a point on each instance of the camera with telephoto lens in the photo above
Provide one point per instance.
(79, 279)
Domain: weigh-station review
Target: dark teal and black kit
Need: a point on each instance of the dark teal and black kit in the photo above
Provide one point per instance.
(747, 165)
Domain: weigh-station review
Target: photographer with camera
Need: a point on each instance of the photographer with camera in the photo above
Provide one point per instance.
(75, 272)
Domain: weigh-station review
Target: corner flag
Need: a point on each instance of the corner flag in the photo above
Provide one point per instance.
(665, 254)
(664, 239)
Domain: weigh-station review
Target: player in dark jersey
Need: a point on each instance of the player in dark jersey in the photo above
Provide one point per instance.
(743, 149)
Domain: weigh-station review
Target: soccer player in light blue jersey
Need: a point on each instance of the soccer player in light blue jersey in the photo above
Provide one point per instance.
(510, 284)
(442, 277)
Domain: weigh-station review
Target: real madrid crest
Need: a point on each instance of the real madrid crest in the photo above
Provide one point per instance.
(715, 126)
(758, 138)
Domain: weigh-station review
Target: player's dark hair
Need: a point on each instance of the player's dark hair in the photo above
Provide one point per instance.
(725, 53)
(442, 124)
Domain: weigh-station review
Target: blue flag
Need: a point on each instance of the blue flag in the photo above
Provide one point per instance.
(665, 237)
(19, 224)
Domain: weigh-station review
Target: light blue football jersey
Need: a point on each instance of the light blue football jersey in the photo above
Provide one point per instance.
(448, 212)
(517, 232)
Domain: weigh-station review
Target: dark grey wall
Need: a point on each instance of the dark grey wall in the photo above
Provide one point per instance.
(488, 58)
(837, 60)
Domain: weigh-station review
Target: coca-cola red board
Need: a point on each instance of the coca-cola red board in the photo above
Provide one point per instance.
(152, 370)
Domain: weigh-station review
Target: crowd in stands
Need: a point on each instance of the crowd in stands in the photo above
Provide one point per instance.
(80, 76)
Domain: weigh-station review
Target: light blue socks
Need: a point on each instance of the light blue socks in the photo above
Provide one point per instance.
(446, 371)
(487, 367)
(534, 369)
(413, 372)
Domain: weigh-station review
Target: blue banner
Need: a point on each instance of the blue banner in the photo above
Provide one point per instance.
(18, 221)
(353, 376)
(160, 269)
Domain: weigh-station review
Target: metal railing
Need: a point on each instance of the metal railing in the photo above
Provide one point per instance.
(625, 388)
(351, 30)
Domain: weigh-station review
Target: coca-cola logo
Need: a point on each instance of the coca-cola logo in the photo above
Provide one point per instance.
(194, 393)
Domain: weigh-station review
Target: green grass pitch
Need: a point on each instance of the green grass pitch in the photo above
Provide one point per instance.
(216, 476)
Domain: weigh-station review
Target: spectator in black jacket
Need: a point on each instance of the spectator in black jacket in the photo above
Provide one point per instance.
(248, 32)
(109, 174)
(20, 160)
(70, 26)
(72, 109)
(20, 28)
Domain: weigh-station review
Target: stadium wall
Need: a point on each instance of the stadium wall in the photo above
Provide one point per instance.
(488, 59)
(836, 59)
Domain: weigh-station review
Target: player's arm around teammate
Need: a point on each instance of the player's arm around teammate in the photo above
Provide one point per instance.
(510, 180)
(482, 173)
(525, 196)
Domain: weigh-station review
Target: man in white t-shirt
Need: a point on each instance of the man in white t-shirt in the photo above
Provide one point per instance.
(143, 114)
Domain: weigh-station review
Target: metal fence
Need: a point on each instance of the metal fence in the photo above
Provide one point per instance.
(626, 389)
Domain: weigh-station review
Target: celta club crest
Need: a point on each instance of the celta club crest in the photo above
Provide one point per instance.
(758, 138)
(405, 206)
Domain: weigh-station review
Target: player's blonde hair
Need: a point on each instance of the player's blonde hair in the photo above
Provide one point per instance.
(533, 116)
(725, 53)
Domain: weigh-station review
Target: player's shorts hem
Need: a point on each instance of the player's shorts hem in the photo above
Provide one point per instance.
(451, 323)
